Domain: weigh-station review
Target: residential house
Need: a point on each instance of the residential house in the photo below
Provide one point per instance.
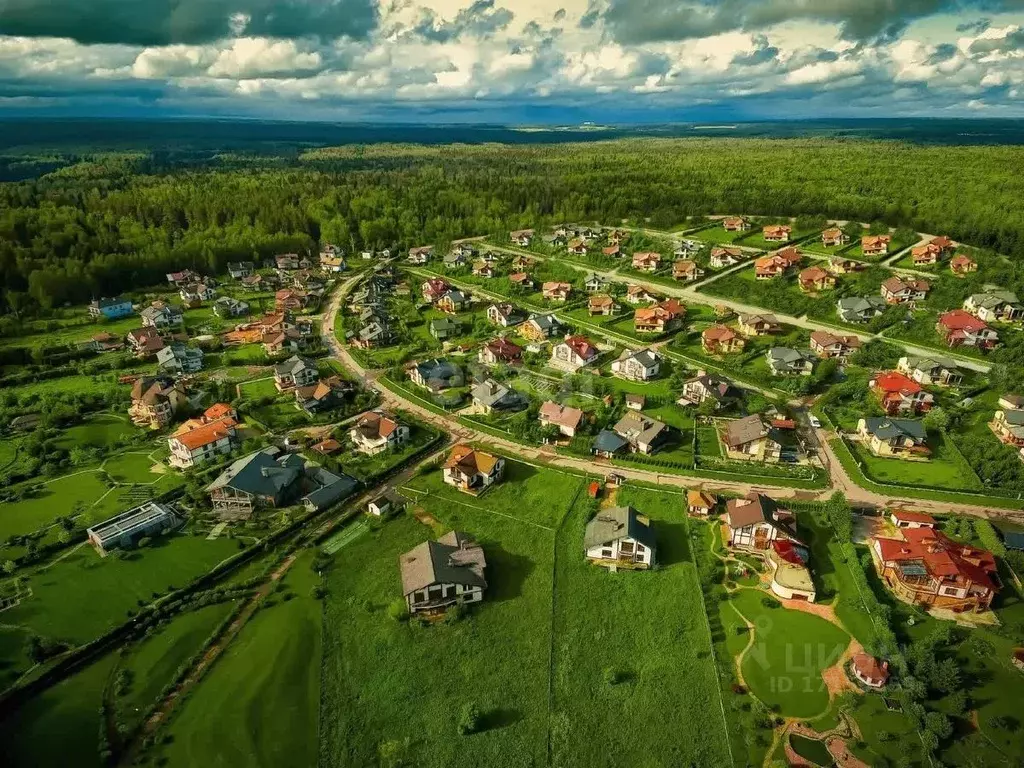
(840, 266)
(484, 269)
(287, 261)
(375, 334)
(944, 244)
(439, 574)
(193, 294)
(776, 233)
(421, 254)
(875, 245)
(777, 264)
(523, 263)
(505, 315)
(290, 300)
(899, 394)
(577, 247)
(620, 537)
(758, 325)
(573, 353)
(961, 265)
(735, 224)
(833, 236)
(556, 291)
(614, 250)
(562, 416)
(522, 280)
(386, 503)
(182, 277)
(686, 270)
(490, 396)
(860, 309)
(755, 521)
(1011, 402)
(123, 530)
(270, 479)
(376, 432)
(199, 440)
(815, 279)
(644, 434)
(521, 237)
(637, 294)
(145, 341)
(325, 395)
(602, 305)
(688, 247)
(161, 316)
(750, 438)
(176, 358)
(995, 306)
(904, 290)
(925, 567)
(959, 328)
(443, 328)
(295, 372)
(635, 402)
(925, 255)
(722, 257)
(254, 282)
(436, 374)
(785, 361)
(283, 341)
(895, 438)
(700, 502)
(332, 262)
(660, 318)
(637, 365)
(721, 340)
(1008, 426)
(155, 400)
(454, 301)
(830, 345)
(905, 518)
(646, 261)
(607, 444)
(500, 351)
(111, 309)
(939, 371)
(434, 289)
(539, 327)
(705, 387)
(472, 471)
(226, 306)
(455, 260)
(104, 342)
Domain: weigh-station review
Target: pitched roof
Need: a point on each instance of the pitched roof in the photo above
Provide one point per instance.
(470, 461)
(894, 381)
(698, 498)
(639, 429)
(959, 320)
(646, 357)
(455, 558)
(745, 430)
(503, 349)
(912, 517)
(885, 428)
(941, 557)
(608, 442)
(205, 434)
(754, 508)
(263, 473)
(561, 415)
(581, 346)
(376, 424)
(615, 523)
(718, 333)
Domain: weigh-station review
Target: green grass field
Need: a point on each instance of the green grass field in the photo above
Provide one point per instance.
(99, 431)
(259, 704)
(942, 470)
(155, 661)
(133, 467)
(58, 497)
(649, 628)
(783, 667)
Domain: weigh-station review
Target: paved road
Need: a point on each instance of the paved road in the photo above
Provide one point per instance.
(839, 479)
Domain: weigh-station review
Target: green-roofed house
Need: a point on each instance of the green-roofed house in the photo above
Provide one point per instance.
(620, 537)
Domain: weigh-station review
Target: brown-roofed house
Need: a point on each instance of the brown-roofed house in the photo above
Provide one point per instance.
(646, 261)
(815, 279)
(472, 471)
(686, 270)
(721, 340)
(961, 265)
(776, 233)
(875, 245)
(872, 672)
(562, 416)
(735, 224)
(833, 236)
(438, 574)
(700, 502)
(602, 305)
(825, 344)
(376, 431)
(904, 290)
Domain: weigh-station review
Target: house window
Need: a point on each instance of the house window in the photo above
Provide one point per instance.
(949, 590)
(606, 553)
(640, 549)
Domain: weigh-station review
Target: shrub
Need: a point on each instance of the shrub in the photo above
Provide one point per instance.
(455, 613)
(398, 610)
(612, 676)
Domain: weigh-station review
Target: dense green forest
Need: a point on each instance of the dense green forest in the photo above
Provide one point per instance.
(109, 222)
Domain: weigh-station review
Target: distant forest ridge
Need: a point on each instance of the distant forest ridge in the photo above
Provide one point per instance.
(274, 137)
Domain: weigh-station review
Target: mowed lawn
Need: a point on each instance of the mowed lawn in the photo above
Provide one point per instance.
(155, 661)
(57, 497)
(98, 431)
(134, 467)
(790, 651)
(943, 470)
(84, 595)
(259, 704)
(398, 688)
(650, 629)
(60, 727)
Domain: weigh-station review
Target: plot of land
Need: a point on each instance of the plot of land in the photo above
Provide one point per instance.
(944, 469)
(98, 431)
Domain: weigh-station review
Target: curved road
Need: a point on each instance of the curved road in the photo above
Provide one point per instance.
(839, 479)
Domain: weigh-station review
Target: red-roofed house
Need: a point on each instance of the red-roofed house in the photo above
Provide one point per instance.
(198, 440)
(962, 329)
(873, 245)
(923, 255)
(500, 350)
(573, 353)
(814, 279)
(735, 224)
(434, 289)
(961, 265)
(900, 395)
(927, 568)
(657, 319)
(905, 518)
(376, 431)
(721, 340)
(562, 416)
(611, 250)
(776, 233)
(825, 344)
(646, 261)
(870, 671)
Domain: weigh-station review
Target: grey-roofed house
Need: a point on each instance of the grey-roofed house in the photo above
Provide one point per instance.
(594, 283)
(455, 259)
(750, 438)
(240, 269)
(785, 361)
(436, 374)
(637, 365)
(438, 574)
(160, 315)
(643, 433)
(126, 528)
(902, 438)
(295, 372)
(442, 328)
(387, 502)
(930, 370)
(454, 301)
(490, 395)
(268, 479)
(374, 334)
(177, 358)
(620, 537)
(541, 326)
(226, 306)
(860, 309)
(607, 444)
(995, 306)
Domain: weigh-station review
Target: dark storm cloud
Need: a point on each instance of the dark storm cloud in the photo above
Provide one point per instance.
(974, 27)
(762, 54)
(943, 52)
(645, 21)
(161, 22)
(481, 19)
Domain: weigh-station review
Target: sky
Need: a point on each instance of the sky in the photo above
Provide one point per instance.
(513, 61)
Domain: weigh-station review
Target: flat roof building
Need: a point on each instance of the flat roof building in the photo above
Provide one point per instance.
(125, 529)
